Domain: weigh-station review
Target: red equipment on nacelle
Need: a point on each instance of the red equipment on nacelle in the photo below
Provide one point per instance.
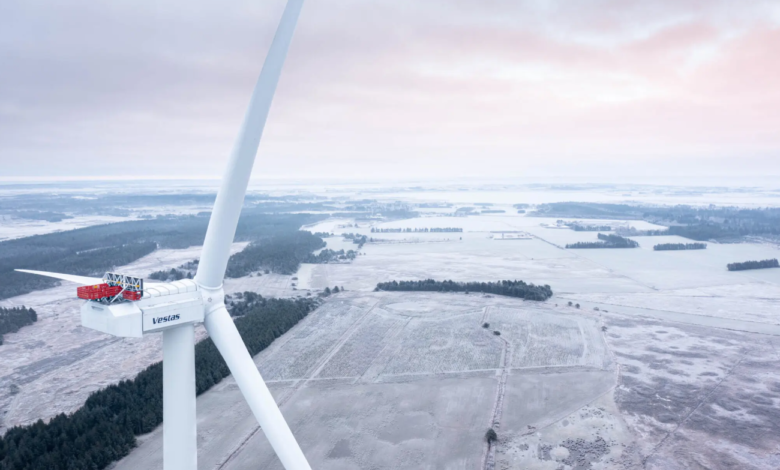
(131, 295)
(99, 291)
(131, 288)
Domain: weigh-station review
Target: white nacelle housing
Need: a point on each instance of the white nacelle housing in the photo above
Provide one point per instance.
(163, 306)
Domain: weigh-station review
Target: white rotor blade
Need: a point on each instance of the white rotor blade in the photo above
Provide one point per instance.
(223, 332)
(230, 199)
(83, 280)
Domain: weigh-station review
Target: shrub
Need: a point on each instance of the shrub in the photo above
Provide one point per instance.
(491, 436)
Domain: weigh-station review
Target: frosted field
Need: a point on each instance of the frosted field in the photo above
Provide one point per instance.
(377, 380)
(697, 397)
(692, 373)
(677, 368)
(474, 258)
(405, 380)
(473, 255)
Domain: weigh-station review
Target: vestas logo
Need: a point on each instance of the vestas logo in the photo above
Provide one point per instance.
(158, 320)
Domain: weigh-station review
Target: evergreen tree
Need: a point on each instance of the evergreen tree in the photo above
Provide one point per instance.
(508, 288)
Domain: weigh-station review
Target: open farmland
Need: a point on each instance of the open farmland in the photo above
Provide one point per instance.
(410, 380)
(375, 380)
(646, 374)
(663, 366)
(669, 362)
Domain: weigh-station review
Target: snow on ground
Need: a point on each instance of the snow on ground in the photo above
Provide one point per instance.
(267, 285)
(676, 368)
(697, 397)
(400, 380)
(467, 257)
(700, 302)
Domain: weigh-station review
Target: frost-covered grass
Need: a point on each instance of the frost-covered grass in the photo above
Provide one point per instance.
(364, 346)
(543, 339)
(451, 345)
(309, 342)
(707, 302)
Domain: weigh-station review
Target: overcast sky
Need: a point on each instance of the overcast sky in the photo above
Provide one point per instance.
(393, 88)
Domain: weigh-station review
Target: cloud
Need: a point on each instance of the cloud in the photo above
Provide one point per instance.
(435, 87)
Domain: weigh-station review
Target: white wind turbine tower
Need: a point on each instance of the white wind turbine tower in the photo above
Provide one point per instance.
(174, 308)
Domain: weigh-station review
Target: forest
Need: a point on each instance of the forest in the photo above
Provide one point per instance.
(679, 246)
(185, 271)
(327, 256)
(577, 227)
(589, 210)
(92, 251)
(607, 241)
(12, 319)
(356, 238)
(171, 275)
(48, 216)
(767, 263)
(508, 288)
(281, 254)
(117, 204)
(104, 430)
(696, 223)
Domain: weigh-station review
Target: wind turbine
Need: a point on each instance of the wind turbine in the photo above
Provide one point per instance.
(174, 308)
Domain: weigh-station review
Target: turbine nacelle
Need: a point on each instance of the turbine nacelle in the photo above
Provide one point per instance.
(163, 306)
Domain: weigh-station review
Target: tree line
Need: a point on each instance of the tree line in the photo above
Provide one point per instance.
(679, 246)
(767, 263)
(416, 230)
(607, 241)
(356, 238)
(327, 255)
(104, 430)
(185, 271)
(589, 228)
(170, 275)
(92, 251)
(508, 288)
(694, 222)
(281, 254)
(13, 319)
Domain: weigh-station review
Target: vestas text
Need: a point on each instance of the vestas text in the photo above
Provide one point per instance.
(169, 318)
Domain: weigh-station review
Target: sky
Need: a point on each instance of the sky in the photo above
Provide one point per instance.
(394, 89)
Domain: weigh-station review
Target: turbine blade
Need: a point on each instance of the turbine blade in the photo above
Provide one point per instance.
(83, 280)
(230, 199)
(229, 343)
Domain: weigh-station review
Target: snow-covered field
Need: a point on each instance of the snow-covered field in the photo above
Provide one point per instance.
(402, 380)
(669, 363)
